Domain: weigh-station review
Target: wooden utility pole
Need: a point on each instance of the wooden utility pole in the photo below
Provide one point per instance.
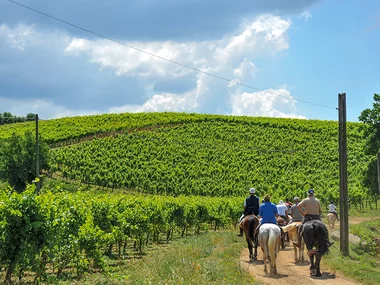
(38, 183)
(343, 176)
(378, 171)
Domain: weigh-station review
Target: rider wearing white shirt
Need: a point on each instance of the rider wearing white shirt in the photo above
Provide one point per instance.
(332, 209)
(282, 210)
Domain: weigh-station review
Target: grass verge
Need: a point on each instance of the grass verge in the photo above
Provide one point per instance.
(363, 262)
(211, 258)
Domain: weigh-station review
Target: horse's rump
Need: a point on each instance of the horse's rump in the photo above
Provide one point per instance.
(269, 239)
(315, 233)
(249, 225)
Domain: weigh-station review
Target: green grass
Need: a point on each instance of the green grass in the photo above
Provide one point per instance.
(360, 266)
(363, 262)
(369, 211)
(211, 258)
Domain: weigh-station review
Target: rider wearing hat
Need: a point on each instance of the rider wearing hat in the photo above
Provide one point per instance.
(310, 208)
(251, 206)
(295, 213)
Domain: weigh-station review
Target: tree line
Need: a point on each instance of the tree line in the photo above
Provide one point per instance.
(8, 118)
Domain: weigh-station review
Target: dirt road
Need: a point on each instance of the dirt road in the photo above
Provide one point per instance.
(289, 272)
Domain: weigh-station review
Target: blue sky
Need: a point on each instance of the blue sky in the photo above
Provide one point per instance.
(288, 51)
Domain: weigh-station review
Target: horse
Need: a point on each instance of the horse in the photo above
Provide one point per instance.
(315, 233)
(331, 217)
(269, 240)
(282, 223)
(249, 225)
(291, 230)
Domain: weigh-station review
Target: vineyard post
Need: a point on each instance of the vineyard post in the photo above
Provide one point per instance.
(343, 176)
(37, 158)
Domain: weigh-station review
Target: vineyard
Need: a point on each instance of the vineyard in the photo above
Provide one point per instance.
(218, 157)
(63, 229)
(207, 155)
(184, 173)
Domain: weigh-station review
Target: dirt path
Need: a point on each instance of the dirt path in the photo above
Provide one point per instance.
(289, 272)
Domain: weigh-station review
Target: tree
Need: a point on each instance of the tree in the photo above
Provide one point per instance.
(30, 116)
(371, 132)
(18, 160)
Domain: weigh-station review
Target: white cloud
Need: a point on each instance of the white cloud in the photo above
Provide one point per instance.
(305, 15)
(228, 57)
(265, 36)
(161, 102)
(45, 109)
(266, 103)
(17, 37)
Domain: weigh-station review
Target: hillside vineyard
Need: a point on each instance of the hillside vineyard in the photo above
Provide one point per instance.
(208, 155)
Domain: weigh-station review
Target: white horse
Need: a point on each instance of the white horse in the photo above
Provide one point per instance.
(331, 217)
(269, 240)
(292, 229)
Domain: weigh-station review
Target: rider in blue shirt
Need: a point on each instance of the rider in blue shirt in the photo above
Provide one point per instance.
(268, 213)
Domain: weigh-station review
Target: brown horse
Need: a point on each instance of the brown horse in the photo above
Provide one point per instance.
(249, 225)
(282, 223)
(291, 230)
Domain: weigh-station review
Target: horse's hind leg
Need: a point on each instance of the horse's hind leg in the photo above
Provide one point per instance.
(295, 254)
(313, 269)
(250, 250)
(317, 265)
(255, 251)
(301, 253)
(265, 261)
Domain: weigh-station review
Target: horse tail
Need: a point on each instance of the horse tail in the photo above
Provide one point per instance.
(273, 245)
(251, 227)
(323, 239)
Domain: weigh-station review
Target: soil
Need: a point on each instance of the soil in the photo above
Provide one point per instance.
(289, 272)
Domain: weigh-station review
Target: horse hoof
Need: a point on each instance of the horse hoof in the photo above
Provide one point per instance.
(318, 274)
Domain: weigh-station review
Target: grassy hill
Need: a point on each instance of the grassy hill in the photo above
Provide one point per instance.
(209, 155)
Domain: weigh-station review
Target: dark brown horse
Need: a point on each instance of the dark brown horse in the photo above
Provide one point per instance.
(249, 225)
(315, 234)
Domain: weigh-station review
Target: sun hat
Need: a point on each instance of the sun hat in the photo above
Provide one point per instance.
(296, 199)
(252, 191)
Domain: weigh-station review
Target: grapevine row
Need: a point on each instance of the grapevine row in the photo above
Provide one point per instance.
(64, 230)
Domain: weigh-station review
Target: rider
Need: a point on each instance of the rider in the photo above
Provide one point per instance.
(295, 212)
(251, 206)
(288, 203)
(268, 212)
(332, 209)
(310, 208)
(283, 211)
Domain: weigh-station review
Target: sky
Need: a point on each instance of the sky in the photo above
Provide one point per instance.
(269, 58)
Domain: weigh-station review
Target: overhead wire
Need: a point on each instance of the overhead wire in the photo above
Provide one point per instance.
(166, 59)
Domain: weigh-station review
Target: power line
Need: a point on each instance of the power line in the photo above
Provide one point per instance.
(165, 59)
